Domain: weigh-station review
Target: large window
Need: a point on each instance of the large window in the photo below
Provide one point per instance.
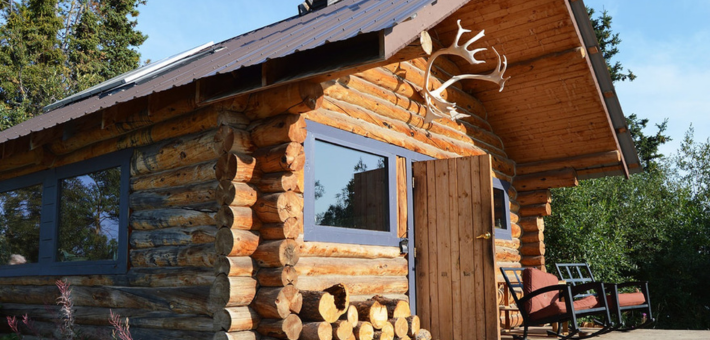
(351, 187)
(68, 220)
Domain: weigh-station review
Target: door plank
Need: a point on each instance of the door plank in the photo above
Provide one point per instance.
(452, 227)
(421, 242)
(479, 286)
(443, 210)
(433, 263)
(466, 236)
(491, 305)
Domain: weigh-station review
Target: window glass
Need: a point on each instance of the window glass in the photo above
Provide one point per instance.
(499, 202)
(351, 188)
(89, 216)
(19, 225)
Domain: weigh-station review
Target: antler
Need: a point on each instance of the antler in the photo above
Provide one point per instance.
(437, 106)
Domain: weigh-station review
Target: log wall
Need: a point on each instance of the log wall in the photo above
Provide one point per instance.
(172, 226)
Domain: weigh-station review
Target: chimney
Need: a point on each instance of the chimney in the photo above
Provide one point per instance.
(314, 5)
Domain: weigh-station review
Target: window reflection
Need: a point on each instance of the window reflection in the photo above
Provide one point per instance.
(89, 216)
(499, 209)
(19, 225)
(351, 188)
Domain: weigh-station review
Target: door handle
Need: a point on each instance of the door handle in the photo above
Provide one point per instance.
(485, 236)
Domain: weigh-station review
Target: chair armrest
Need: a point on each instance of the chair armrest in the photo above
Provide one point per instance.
(597, 287)
(632, 284)
(542, 290)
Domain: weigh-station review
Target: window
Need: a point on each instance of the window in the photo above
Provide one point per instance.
(501, 209)
(351, 194)
(66, 221)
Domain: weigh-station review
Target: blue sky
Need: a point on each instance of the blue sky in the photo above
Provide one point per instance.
(666, 44)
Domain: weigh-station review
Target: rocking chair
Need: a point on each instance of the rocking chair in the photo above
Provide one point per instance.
(580, 273)
(546, 301)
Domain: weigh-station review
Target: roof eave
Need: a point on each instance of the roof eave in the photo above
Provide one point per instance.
(617, 120)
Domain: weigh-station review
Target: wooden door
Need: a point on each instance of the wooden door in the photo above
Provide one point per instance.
(455, 270)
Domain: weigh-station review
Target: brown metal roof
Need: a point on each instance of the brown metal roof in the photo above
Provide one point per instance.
(338, 22)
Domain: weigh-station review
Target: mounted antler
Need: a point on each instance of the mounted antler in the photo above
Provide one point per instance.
(437, 106)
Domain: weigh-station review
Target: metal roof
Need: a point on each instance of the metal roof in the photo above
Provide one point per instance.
(338, 22)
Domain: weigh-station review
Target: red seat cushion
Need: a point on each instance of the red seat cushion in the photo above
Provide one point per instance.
(534, 279)
(629, 299)
(559, 307)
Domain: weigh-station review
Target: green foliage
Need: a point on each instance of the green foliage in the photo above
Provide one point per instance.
(50, 49)
(652, 227)
(19, 223)
(608, 43)
(647, 146)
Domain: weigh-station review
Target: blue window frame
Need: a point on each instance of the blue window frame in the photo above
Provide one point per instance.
(63, 191)
(356, 175)
(501, 209)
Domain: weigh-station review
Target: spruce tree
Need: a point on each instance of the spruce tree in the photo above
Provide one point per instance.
(50, 49)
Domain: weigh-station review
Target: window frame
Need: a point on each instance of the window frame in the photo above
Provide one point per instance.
(503, 234)
(313, 232)
(49, 219)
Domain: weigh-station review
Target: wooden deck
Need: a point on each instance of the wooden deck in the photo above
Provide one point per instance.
(539, 333)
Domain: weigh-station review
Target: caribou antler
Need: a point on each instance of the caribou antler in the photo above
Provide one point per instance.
(437, 106)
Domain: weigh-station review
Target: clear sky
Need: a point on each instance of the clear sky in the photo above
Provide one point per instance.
(665, 43)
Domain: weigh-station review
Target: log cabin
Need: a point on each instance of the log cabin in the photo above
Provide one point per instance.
(195, 195)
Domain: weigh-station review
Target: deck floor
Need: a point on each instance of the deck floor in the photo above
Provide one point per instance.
(539, 333)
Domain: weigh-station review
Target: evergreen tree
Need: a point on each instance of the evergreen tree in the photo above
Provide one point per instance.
(50, 49)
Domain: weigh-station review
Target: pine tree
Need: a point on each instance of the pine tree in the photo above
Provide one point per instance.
(50, 49)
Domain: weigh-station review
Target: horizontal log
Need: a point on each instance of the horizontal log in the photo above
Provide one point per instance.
(191, 174)
(172, 236)
(235, 242)
(243, 335)
(231, 292)
(235, 140)
(351, 315)
(532, 224)
(514, 243)
(278, 130)
(181, 300)
(277, 277)
(124, 118)
(515, 230)
(278, 207)
(532, 237)
(281, 181)
(371, 311)
(174, 197)
(545, 180)
(533, 261)
(168, 218)
(235, 319)
(236, 194)
(282, 157)
(237, 218)
(534, 197)
(316, 331)
(137, 277)
(577, 162)
(542, 209)
(290, 229)
(236, 167)
(98, 316)
(514, 218)
(19, 160)
(363, 330)
(401, 327)
(202, 255)
(507, 254)
(395, 308)
(327, 249)
(235, 266)
(514, 206)
(176, 153)
(342, 330)
(357, 285)
(314, 266)
(293, 98)
(277, 303)
(413, 324)
(228, 116)
(532, 249)
(365, 297)
(48, 329)
(277, 253)
(288, 328)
